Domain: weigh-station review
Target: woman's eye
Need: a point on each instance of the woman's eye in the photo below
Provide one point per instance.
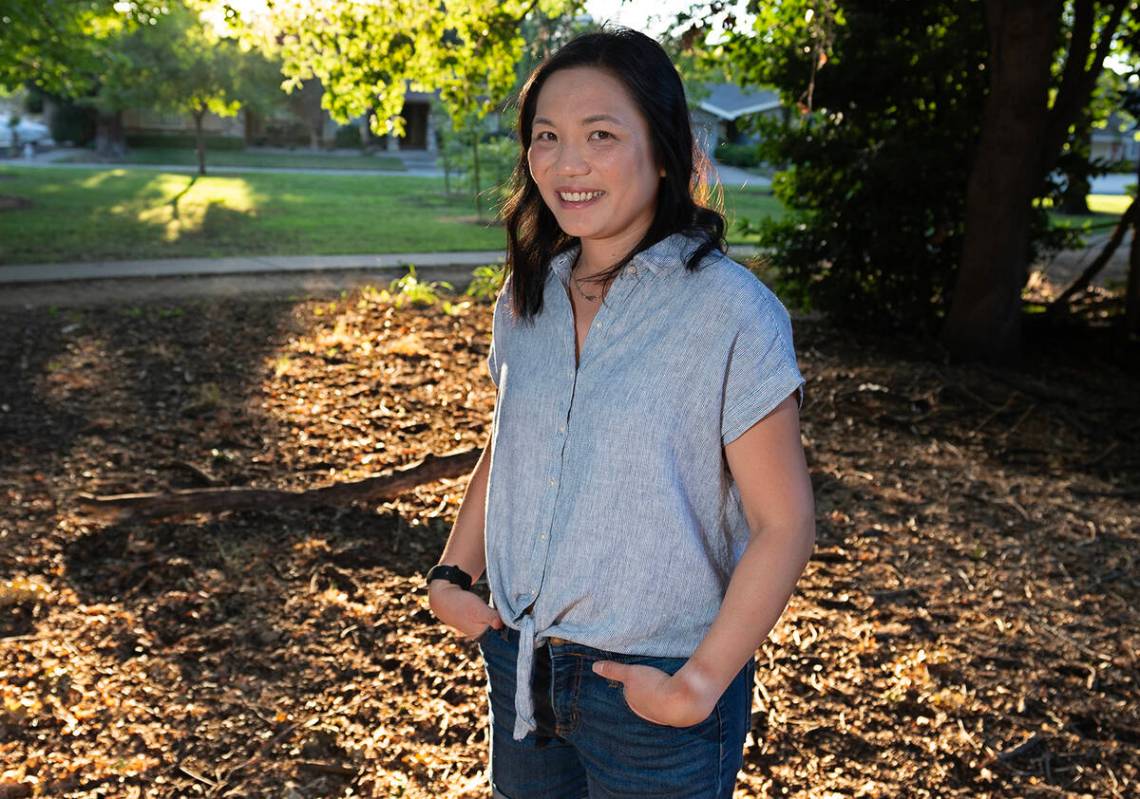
(602, 134)
(544, 133)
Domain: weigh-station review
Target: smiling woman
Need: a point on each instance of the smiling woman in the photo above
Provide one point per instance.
(632, 575)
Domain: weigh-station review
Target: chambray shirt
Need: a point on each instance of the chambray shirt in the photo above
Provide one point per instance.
(612, 519)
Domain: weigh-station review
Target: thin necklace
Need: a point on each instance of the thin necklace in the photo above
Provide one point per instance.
(578, 282)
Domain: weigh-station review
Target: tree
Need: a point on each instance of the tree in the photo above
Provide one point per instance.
(58, 45)
(1021, 141)
(928, 135)
(305, 102)
(64, 47)
(180, 64)
(367, 53)
(888, 98)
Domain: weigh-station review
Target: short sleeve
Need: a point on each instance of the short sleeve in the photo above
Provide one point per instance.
(761, 370)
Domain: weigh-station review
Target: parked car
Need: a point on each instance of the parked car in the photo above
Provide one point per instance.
(26, 131)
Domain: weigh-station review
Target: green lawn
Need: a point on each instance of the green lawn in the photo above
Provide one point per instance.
(119, 214)
(114, 214)
(1106, 211)
(184, 156)
(78, 215)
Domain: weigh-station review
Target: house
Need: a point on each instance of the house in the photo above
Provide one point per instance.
(299, 122)
(721, 115)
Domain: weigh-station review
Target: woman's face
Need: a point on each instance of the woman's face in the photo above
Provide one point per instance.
(592, 158)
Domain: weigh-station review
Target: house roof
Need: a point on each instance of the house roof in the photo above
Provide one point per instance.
(729, 101)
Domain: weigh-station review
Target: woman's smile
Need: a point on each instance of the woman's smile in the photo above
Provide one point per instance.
(572, 200)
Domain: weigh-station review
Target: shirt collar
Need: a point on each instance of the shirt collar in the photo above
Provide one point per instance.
(658, 258)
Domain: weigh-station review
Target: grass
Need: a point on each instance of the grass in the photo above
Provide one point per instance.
(1106, 210)
(181, 156)
(748, 203)
(138, 213)
(120, 214)
(79, 215)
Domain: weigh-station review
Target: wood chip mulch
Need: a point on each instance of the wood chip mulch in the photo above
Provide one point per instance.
(967, 627)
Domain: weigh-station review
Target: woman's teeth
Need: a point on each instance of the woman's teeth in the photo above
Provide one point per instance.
(579, 196)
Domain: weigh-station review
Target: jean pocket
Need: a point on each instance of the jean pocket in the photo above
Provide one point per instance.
(710, 721)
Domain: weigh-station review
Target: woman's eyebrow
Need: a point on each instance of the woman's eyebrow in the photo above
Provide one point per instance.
(585, 120)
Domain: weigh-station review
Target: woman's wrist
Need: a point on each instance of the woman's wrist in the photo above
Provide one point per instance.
(702, 687)
(438, 588)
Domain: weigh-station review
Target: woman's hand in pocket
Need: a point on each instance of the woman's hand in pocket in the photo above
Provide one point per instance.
(464, 610)
(657, 696)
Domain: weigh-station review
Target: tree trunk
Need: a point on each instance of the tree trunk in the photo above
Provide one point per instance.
(984, 321)
(199, 141)
(109, 139)
(475, 154)
(1075, 198)
(1132, 293)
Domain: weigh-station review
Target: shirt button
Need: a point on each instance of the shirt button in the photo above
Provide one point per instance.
(562, 429)
(552, 481)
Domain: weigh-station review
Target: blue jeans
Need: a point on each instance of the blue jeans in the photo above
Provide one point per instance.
(589, 743)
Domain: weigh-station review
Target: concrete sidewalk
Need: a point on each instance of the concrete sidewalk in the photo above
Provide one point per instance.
(396, 263)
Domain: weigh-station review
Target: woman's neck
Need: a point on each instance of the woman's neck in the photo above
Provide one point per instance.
(598, 255)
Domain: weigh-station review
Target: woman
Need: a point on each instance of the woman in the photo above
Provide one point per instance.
(644, 508)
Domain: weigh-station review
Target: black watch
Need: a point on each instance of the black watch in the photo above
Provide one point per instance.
(453, 574)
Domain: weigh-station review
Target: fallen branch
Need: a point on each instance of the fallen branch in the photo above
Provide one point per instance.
(212, 500)
(1082, 282)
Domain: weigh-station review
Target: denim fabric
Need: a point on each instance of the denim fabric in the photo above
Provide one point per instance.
(612, 519)
(589, 742)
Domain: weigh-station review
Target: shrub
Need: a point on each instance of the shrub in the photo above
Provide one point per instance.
(347, 136)
(742, 155)
(497, 156)
(72, 123)
(183, 141)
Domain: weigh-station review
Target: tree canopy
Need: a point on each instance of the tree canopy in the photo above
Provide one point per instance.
(367, 54)
(922, 164)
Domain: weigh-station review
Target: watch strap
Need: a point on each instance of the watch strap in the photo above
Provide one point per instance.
(452, 574)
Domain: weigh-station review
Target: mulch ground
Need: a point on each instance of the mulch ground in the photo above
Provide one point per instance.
(967, 627)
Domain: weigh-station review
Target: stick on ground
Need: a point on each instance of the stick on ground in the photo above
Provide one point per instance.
(213, 500)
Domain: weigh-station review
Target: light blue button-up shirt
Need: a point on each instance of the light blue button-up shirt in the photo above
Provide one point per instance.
(611, 518)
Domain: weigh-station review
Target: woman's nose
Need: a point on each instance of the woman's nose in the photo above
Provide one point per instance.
(571, 162)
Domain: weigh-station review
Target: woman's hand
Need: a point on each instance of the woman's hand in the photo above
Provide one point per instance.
(680, 700)
(463, 610)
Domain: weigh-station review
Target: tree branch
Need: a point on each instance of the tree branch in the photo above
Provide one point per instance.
(212, 500)
(1077, 81)
(1082, 282)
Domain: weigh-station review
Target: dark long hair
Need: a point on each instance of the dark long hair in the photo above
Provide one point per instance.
(644, 68)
